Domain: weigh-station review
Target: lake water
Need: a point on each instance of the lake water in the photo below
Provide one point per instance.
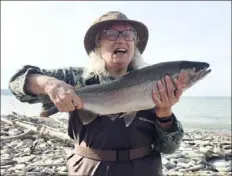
(201, 113)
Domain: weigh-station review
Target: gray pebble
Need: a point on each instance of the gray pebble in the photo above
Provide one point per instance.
(48, 152)
(6, 166)
(221, 165)
(40, 141)
(184, 165)
(7, 162)
(62, 173)
(227, 147)
(205, 150)
(6, 151)
(195, 155)
(193, 168)
(175, 156)
(6, 147)
(27, 150)
(228, 153)
(11, 169)
(197, 137)
(20, 166)
(29, 168)
(14, 131)
(25, 158)
(33, 174)
(6, 156)
(36, 169)
(47, 170)
(170, 165)
(181, 160)
(177, 168)
(59, 161)
(173, 160)
(164, 160)
(200, 161)
(19, 145)
(2, 171)
(186, 149)
(193, 163)
(15, 143)
(27, 142)
(225, 143)
(43, 145)
(48, 161)
(175, 173)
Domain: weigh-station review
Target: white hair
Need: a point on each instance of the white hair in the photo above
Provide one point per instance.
(97, 64)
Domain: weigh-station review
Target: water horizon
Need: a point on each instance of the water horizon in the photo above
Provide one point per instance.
(194, 112)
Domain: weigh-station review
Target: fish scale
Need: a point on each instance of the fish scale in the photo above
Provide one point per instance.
(133, 91)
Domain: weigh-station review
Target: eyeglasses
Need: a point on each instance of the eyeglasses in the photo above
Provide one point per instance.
(113, 34)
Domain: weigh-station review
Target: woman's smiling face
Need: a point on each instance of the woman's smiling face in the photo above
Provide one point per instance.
(117, 46)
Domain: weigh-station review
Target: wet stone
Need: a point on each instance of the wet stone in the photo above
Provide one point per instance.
(25, 158)
(14, 132)
(27, 142)
(27, 150)
(170, 165)
(62, 169)
(174, 156)
(34, 174)
(20, 166)
(201, 153)
(7, 156)
(181, 160)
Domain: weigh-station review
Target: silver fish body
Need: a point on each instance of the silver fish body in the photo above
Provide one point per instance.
(133, 91)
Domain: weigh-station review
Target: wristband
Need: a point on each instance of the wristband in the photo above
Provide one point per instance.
(165, 119)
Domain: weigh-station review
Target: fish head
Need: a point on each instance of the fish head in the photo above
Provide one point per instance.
(191, 72)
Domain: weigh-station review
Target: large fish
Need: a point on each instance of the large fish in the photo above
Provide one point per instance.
(133, 91)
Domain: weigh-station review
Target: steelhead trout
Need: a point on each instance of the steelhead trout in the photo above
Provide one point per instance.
(133, 91)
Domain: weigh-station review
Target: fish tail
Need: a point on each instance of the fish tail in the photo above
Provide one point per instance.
(49, 112)
(48, 107)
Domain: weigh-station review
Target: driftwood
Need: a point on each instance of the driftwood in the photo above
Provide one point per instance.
(3, 133)
(20, 136)
(61, 123)
(56, 173)
(8, 162)
(48, 165)
(42, 130)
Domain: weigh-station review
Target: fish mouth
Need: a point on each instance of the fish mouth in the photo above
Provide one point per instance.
(198, 66)
(197, 72)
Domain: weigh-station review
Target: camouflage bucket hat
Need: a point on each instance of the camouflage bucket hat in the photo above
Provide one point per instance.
(111, 18)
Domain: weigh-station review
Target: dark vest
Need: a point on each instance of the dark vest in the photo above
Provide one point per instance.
(75, 123)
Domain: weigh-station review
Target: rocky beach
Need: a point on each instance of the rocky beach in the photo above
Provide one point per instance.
(32, 146)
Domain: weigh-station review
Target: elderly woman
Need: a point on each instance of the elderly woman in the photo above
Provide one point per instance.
(111, 144)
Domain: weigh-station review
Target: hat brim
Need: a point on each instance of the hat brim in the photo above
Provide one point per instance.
(141, 29)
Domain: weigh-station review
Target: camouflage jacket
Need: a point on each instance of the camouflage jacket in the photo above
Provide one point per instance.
(139, 132)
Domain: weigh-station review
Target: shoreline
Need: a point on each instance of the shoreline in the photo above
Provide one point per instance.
(187, 128)
(27, 151)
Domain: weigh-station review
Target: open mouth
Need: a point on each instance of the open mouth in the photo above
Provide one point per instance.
(120, 51)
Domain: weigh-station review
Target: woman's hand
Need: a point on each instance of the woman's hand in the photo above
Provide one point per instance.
(63, 95)
(169, 96)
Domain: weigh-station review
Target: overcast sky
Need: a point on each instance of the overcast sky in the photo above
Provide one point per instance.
(50, 35)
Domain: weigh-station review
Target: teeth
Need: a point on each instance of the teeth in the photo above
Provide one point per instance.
(121, 49)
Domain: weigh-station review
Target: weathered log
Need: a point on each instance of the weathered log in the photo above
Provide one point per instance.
(47, 131)
(20, 136)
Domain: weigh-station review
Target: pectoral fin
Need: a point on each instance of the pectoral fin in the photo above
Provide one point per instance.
(128, 117)
(86, 116)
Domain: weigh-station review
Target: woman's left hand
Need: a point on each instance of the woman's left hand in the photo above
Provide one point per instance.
(168, 97)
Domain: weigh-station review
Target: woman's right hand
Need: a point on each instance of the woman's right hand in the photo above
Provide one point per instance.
(63, 95)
